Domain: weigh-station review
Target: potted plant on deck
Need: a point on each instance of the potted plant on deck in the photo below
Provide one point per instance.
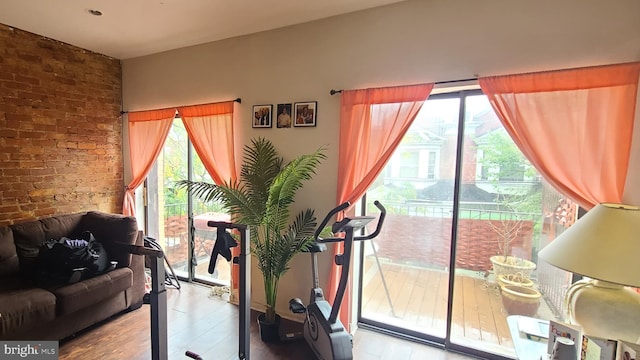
(504, 264)
(261, 199)
(517, 291)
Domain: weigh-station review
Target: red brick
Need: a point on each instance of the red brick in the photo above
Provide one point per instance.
(32, 150)
(17, 117)
(8, 172)
(38, 172)
(34, 96)
(26, 79)
(67, 144)
(15, 85)
(9, 208)
(8, 133)
(6, 75)
(21, 186)
(65, 80)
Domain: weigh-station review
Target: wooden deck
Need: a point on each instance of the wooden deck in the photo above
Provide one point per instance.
(419, 298)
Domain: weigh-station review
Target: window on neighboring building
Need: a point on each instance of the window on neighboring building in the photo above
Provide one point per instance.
(409, 164)
(431, 165)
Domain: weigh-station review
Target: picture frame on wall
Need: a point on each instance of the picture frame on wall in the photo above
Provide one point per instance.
(305, 113)
(262, 115)
(283, 117)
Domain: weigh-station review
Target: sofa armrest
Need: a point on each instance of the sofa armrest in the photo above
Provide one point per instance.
(139, 250)
(135, 294)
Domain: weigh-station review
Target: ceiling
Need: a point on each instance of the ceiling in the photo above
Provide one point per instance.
(132, 28)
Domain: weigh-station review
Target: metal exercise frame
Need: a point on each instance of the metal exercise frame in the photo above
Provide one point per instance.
(157, 300)
(244, 283)
(158, 294)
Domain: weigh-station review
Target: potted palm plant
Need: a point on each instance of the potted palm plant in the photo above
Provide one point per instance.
(261, 199)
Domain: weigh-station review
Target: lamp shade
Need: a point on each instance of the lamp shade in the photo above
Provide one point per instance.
(604, 245)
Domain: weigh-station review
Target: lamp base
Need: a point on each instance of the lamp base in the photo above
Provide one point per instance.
(604, 309)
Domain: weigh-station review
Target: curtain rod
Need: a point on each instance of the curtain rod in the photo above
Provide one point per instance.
(238, 100)
(333, 92)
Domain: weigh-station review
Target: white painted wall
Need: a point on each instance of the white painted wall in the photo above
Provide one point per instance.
(416, 41)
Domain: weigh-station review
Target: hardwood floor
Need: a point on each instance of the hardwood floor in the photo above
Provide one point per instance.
(208, 326)
(419, 298)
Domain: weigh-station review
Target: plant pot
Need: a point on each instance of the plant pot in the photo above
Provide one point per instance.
(512, 265)
(514, 279)
(269, 332)
(520, 300)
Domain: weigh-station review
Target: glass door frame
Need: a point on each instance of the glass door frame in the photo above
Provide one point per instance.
(441, 342)
(151, 192)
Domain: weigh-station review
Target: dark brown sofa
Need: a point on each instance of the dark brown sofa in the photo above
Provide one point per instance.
(28, 312)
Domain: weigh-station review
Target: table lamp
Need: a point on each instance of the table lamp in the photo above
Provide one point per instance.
(603, 245)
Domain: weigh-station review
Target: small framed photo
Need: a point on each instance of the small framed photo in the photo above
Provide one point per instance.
(304, 113)
(283, 119)
(262, 116)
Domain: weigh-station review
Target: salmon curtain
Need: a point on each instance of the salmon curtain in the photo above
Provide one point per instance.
(575, 126)
(372, 124)
(210, 129)
(147, 132)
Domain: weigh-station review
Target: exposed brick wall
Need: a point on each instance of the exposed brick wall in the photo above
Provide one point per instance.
(60, 128)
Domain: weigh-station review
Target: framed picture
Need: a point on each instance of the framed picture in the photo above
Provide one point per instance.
(262, 116)
(283, 119)
(304, 113)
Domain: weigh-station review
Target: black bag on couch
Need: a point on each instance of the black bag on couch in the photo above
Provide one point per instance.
(68, 260)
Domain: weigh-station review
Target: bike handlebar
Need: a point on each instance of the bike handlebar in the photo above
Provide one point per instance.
(383, 213)
(331, 213)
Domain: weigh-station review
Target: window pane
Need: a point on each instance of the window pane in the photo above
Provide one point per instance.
(405, 269)
(205, 236)
(172, 164)
(500, 227)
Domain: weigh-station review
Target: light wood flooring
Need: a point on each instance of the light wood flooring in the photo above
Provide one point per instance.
(208, 326)
(419, 301)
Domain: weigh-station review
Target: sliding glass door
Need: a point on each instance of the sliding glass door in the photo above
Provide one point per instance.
(460, 196)
(178, 220)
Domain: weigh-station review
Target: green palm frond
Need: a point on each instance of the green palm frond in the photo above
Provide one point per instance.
(297, 238)
(284, 187)
(261, 164)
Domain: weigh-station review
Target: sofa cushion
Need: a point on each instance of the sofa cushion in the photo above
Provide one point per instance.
(109, 229)
(71, 298)
(31, 235)
(21, 309)
(8, 255)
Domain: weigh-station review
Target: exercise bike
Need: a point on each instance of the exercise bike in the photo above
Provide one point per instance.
(322, 329)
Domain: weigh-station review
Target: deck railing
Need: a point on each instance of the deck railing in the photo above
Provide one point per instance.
(428, 225)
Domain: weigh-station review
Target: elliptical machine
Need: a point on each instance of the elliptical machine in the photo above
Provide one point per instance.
(323, 331)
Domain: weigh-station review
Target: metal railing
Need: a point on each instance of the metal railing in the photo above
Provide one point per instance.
(551, 282)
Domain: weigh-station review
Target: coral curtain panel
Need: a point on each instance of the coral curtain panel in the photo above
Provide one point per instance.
(147, 132)
(575, 126)
(210, 129)
(372, 124)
